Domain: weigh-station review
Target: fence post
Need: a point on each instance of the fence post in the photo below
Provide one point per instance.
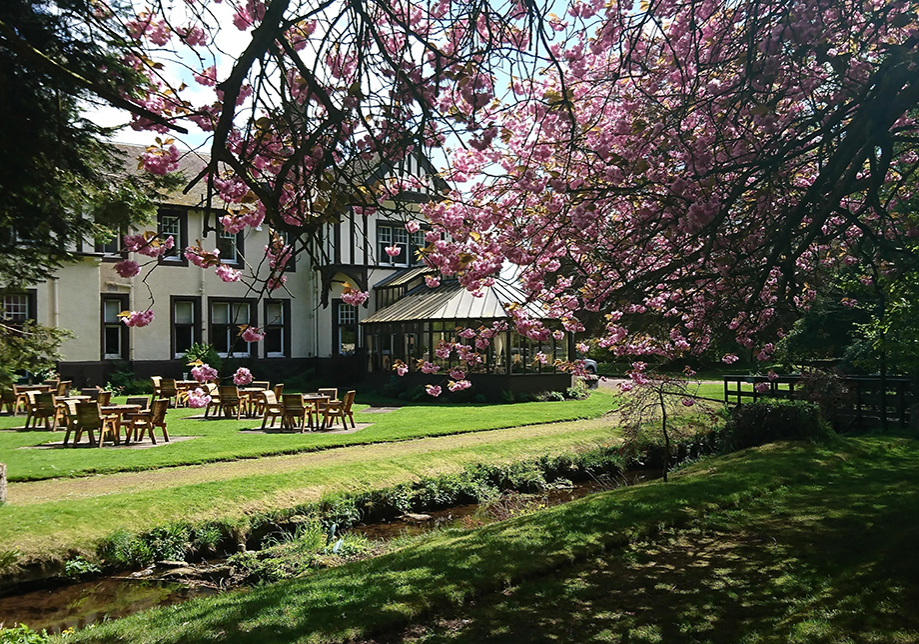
(2, 482)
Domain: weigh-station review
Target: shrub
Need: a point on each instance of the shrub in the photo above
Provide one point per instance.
(770, 420)
(123, 383)
(205, 353)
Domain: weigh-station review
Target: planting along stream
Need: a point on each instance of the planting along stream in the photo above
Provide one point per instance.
(56, 605)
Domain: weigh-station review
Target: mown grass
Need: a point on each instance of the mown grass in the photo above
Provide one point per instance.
(232, 492)
(222, 440)
(818, 546)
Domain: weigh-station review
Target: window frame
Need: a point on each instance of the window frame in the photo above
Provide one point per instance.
(337, 306)
(124, 333)
(31, 302)
(408, 256)
(231, 341)
(239, 246)
(196, 325)
(174, 257)
(284, 327)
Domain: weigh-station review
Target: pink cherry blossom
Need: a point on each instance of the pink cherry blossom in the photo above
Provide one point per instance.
(457, 374)
(761, 387)
(204, 373)
(138, 318)
(729, 358)
(227, 274)
(433, 390)
(431, 281)
(242, 377)
(253, 334)
(412, 226)
(393, 251)
(458, 385)
(197, 399)
(159, 160)
(427, 367)
(127, 268)
(354, 297)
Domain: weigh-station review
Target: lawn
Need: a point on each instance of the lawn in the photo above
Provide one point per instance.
(783, 543)
(224, 440)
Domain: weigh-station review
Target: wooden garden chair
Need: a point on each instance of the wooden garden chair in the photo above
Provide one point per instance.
(104, 398)
(42, 405)
(211, 390)
(271, 408)
(157, 386)
(149, 420)
(89, 419)
(292, 408)
(230, 400)
(8, 400)
(340, 409)
(63, 387)
(92, 392)
(170, 391)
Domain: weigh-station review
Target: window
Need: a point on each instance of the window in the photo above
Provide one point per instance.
(277, 331)
(112, 247)
(281, 238)
(186, 324)
(226, 318)
(175, 223)
(18, 307)
(396, 235)
(230, 246)
(344, 328)
(114, 331)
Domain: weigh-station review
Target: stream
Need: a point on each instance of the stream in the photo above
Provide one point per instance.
(58, 607)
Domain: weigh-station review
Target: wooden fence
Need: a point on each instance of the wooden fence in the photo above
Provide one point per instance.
(865, 402)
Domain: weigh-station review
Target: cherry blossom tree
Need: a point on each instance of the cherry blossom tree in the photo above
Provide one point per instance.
(693, 167)
(684, 168)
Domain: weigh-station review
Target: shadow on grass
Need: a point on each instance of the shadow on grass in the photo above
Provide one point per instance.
(780, 544)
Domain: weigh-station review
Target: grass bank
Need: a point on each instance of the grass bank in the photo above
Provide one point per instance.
(820, 549)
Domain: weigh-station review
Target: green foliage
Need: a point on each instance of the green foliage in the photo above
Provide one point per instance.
(79, 568)
(123, 383)
(125, 550)
(22, 634)
(769, 420)
(169, 542)
(31, 347)
(507, 397)
(206, 353)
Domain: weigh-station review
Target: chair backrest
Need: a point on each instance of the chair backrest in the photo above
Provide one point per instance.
(261, 384)
(269, 398)
(168, 387)
(104, 397)
(143, 401)
(44, 403)
(92, 392)
(348, 401)
(332, 393)
(88, 415)
(292, 401)
(229, 395)
(63, 387)
(52, 383)
(158, 411)
(157, 383)
(279, 390)
(211, 389)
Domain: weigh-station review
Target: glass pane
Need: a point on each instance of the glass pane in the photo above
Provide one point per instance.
(348, 340)
(221, 339)
(184, 313)
(274, 341)
(184, 338)
(221, 313)
(240, 314)
(111, 310)
(274, 313)
(112, 341)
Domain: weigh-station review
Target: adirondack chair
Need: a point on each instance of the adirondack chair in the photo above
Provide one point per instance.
(42, 406)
